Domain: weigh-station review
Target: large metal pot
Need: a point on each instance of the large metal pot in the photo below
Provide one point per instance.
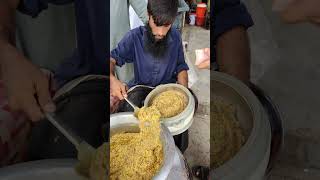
(250, 163)
(174, 166)
(181, 122)
(49, 169)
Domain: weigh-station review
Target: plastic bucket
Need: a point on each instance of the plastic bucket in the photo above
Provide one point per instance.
(201, 9)
(200, 20)
(192, 19)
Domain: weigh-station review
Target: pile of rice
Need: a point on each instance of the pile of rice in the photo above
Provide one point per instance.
(138, 155)
(170, 103)
(226, 134)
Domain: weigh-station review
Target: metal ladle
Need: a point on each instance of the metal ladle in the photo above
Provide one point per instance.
(135, 108)
(85, 150)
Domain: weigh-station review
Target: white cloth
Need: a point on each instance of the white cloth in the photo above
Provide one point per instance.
(135, 21)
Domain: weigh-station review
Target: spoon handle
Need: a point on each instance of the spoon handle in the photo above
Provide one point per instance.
(132, 105)
(74, 139)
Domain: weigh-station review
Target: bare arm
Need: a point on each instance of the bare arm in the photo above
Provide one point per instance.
(183, 78)
(117, 88)
(112, 65)
(233, 53)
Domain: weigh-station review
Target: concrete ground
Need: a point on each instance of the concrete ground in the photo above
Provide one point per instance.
(286, 65)
(198, 152)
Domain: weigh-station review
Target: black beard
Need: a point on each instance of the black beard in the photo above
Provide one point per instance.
(157, 48)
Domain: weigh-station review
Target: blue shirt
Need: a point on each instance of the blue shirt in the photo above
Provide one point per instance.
(91, 54)
(149, 70)
(228, 14)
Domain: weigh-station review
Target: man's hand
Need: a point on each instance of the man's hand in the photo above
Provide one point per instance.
(297, 11)
(26, 85)
(117, 88)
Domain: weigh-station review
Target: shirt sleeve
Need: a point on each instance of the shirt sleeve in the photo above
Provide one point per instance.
(228, 14)
(181, 64)
(34, 7)
(124, 52)
(140, 7)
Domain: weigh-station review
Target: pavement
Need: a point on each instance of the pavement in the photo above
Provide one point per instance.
(198, 152)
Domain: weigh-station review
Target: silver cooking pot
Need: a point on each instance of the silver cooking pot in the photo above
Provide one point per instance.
(174, 165)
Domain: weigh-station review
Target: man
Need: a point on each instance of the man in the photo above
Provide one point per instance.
(155, 50)
(157, 54)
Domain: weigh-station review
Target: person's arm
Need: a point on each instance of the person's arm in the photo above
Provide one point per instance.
(23, 81)
(112, 66)
(117, 88)
(230, 38)
(140, 7)
(123, 53)
(183, 78)
(233, 53)
(182, 67)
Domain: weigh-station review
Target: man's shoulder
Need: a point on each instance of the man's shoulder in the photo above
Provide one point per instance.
(175, 34)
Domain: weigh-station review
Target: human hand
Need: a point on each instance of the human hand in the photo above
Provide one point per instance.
(26, 85)
(117, 88)
(114, 103)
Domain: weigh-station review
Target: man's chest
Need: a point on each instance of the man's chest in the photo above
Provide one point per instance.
(150, 65)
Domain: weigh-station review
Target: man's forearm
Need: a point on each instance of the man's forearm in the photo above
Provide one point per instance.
(112, 66)
(183, 78)
(233, 53)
